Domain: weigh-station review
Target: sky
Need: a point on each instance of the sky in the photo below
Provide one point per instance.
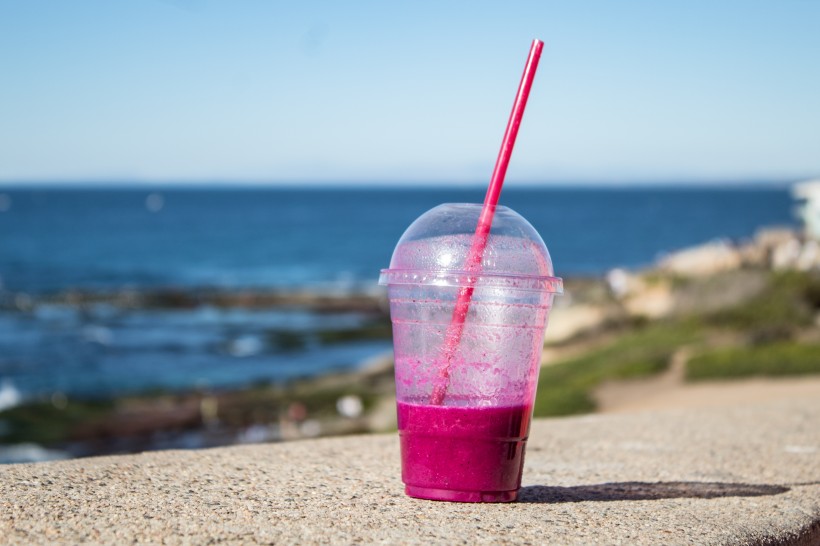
(193, 91)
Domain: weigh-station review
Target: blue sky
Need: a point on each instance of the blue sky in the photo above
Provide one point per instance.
(402, 92)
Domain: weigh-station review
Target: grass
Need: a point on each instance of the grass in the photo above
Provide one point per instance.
(44, 423)
(565, 388)
(768, 322)
(775, 359)
(787, 305)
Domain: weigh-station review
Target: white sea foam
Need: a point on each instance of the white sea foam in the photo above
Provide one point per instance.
(9, 395)
(29, 453)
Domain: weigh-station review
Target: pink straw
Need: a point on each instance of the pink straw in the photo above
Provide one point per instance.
(485, 221)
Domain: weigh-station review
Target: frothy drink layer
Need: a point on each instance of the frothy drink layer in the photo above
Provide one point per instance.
(469, 454)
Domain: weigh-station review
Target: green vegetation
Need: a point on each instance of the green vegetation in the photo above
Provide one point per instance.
(767, 323)
(783, 358)
(47, 423)
(565, 387)
(321, 402)
(786, 305)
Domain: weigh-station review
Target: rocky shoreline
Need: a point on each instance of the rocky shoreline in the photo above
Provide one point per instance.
(178, 298)
(333, 404)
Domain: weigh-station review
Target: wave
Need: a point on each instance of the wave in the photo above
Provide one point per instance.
(10, 396)
(29, 453)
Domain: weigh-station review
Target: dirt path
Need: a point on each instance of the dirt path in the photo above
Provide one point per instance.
(669, 390)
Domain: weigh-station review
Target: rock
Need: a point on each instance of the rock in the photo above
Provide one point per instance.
(655, 301)
(809, 257)
(566, 322)
(621, 282)
(785, 255)
(702, 260)
(769, 238)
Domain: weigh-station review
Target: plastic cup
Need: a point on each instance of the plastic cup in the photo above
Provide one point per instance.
(470, 447)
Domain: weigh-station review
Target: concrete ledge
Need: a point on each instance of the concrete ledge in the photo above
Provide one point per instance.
(738, 475)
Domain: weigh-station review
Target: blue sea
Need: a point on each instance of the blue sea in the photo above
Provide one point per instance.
(330, 240)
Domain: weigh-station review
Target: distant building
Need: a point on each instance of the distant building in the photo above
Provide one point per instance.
(808, 209)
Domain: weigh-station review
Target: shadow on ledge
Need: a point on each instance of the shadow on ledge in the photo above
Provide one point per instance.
(636, 491)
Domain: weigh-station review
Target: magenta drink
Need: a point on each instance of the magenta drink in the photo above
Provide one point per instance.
(464, 408)
(467, 454)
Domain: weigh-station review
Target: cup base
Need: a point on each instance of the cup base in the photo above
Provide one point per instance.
(460, 496)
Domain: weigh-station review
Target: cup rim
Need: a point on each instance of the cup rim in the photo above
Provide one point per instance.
(459, 279)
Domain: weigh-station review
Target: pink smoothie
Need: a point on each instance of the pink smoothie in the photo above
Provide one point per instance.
(467, 454)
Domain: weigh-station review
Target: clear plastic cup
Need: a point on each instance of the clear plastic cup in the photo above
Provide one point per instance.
(470, 447)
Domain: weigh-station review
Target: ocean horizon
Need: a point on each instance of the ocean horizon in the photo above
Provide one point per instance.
(620, 183)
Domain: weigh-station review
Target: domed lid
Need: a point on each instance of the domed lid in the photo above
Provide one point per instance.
(434, 250)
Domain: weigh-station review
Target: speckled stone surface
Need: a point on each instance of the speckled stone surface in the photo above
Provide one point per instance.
(738, 475)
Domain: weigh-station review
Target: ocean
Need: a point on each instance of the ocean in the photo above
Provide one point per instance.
(329, 240)
(53, 240)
